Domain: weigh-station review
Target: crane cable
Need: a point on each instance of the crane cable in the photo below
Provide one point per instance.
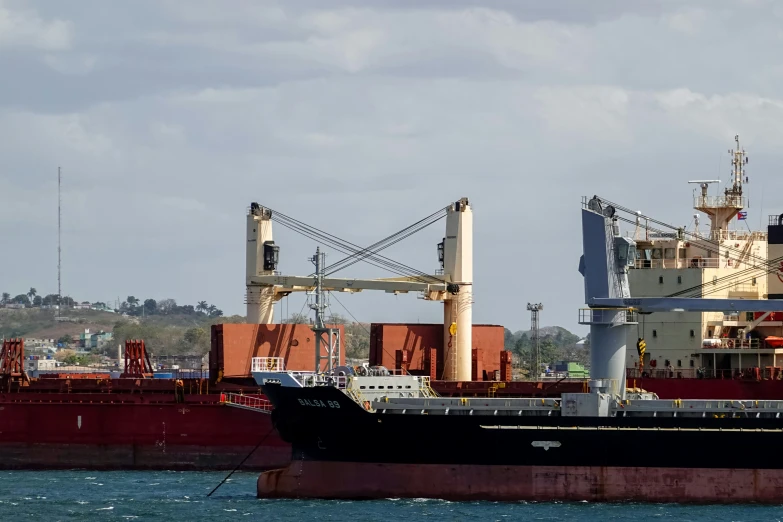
(353, 249)
(389, 265)
(387, 242)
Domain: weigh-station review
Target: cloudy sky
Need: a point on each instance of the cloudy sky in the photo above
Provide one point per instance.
(360, 117)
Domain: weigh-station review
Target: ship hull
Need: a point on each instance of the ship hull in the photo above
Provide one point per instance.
(340, 450)
(123, 431)
(358, 481)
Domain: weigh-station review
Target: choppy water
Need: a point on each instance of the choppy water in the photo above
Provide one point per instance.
(106, 496)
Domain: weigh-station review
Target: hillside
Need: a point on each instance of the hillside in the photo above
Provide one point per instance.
(179, 333)
(163, 334)
(556, 344)
(38, 323)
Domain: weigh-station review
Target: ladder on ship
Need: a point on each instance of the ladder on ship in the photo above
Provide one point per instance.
(246, 402)
(745, 254)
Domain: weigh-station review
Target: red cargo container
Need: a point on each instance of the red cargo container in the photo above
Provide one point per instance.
(387, 338)
(234, 345)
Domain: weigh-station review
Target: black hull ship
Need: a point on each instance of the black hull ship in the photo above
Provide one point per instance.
(361, 433)
(522, 449)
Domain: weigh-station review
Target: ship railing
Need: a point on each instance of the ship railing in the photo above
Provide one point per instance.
(753, 373)
(247, 402)
(748, 288)
(685, 262)
(607, 316)
(267, 364)
(719, 202)
(310, 379)
(732, 344)
(737, 235)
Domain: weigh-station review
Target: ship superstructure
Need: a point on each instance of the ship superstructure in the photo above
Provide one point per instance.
(724, 259)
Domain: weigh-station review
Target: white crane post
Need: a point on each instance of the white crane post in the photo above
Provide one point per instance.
(260, 299)
(458, 307)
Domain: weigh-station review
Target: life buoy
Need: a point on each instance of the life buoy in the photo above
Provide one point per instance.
(653, 363)
(730, 343)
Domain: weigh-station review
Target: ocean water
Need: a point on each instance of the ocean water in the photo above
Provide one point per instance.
(122, 496)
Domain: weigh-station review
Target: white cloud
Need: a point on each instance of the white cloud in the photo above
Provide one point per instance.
(688, 20)
(25, 28)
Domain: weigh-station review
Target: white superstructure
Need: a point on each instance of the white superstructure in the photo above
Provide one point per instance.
(730, 261)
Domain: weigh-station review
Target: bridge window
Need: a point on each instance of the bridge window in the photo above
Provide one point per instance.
(655, 333)
(679, 363)
(683, 253)
(692, 363)
(679, 280)
(753, 281)
(693, 334)
(660, 280)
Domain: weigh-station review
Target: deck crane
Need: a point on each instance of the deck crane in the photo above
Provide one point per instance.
(454, 286)
(611, 310)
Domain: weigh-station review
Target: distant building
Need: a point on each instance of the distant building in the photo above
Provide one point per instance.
(570, 370)
(88, 341)
(33, 366)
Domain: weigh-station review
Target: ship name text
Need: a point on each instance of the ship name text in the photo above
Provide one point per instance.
(319, 404)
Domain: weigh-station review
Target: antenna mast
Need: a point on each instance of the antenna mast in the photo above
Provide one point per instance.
(327, 340)
(59, 240)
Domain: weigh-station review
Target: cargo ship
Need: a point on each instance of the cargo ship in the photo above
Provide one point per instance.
(369, 434)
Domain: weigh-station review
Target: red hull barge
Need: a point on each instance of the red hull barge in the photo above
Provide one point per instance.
(127, 431)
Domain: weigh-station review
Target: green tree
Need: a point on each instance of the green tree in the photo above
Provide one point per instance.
(32, 293)
(357, 341)
(297, 319)
(202, 306)
(336, 319)
(50, 300)
(38, 301)
(22, 299)
(6, 297)
(167, 306)
(150, 307)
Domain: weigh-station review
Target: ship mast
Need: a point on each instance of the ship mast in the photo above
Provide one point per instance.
(722, 209)
(327, 340)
